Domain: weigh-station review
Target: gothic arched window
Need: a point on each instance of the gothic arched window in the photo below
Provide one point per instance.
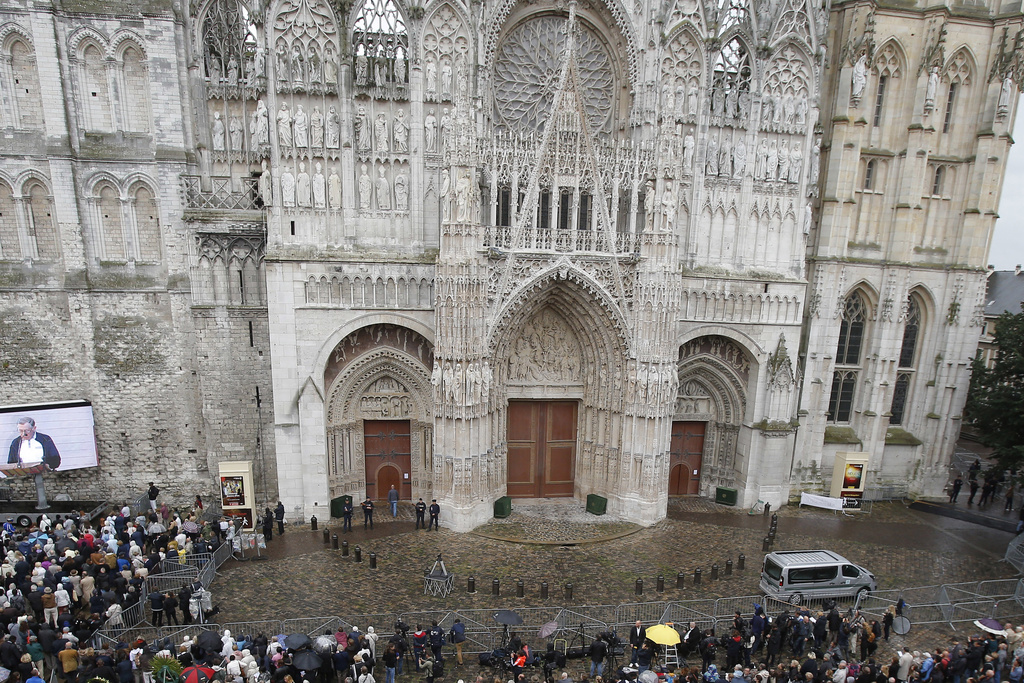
(869, 175)
(24, 86)
(848, 357)
(135, 77)
(380, 36)
(907, 361)
(41, 229)
(147, 225)
(111, 224)
(95, 89)
(731, 79)
(10, 242)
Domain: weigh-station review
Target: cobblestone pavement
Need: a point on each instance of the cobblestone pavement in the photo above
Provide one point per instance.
(305, 578)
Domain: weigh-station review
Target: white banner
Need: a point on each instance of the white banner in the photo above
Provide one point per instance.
(821, 501)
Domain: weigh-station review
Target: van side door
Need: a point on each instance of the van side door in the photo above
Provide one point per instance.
(850, 574)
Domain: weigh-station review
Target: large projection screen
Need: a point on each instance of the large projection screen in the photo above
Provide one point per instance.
(68, 423)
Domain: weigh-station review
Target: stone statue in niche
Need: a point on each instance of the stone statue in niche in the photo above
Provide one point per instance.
(236, 132)
(461, 74)
(725, 160)
(315, 72)
(399, 69)
(266, 186)
(796, 163)
(712, 156)
(761, 165)
(330, 67)
(688, 151)
(801, 112)
(298, 67)
(383, 190)
(218, 132)
(283, 67)
(815, 161)
(463, 198)
(767, 107)
(649, 202)
(319, 188)
(380, 71)
(250, 71)
(784, 162)
(788, 111)
(380, 132)
(430, 132)
(807, 219)
(446, 77)
(1003, 105)
(401, 192)
(316, 129)
(301, 128)
(334, 189)
(779, 106)
(259, 125)
(333, 128)
(931, 89)
(668, 207)
(287, 189)
(771, 162)
(732, 100)
(446, 131)
(362, 126)
(365, 187)
(401, 131)
(860, 77)
(692, 100)
(668, 103)
(302, 195)
(284, 126)
(232, 71)
(446, 191)
(362, 70)
(739, 157)
(744, 105)
(680, 102)
(259, 61)
(718, 99)
(214, 69)
(430, 74)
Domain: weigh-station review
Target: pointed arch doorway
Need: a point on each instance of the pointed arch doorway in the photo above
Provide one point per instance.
(541, 448)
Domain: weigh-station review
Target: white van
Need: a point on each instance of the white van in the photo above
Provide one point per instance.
(796, 576)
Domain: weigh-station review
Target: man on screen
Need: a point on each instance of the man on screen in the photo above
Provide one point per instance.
(32, 447)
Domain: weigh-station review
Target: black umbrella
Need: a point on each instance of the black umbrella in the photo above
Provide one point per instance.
(209, 640)
(307, 660)
(508, 618)
(297, 641)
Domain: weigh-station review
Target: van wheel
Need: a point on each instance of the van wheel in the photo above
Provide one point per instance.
(796, 598)
(24, 521)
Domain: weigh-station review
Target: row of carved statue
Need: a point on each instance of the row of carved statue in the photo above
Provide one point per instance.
(377, 194)
(303, 69)
(304, 133)
(458, 386)
(772, 161)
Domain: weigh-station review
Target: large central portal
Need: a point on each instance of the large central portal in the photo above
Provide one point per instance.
(541, 448)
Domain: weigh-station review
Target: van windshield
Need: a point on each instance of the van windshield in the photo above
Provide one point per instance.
(773, 570)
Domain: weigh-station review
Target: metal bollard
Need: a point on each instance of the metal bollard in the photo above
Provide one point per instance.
(520, 589)
(344, 546)
(568, 592)
(359, 554)
(639, 588)
(660, 586)
(312, 523)
(334, 543)
(373, 560)
(714, 572)
(767, 509)
(543, 590)
(696, 576)
(495, 587)
(327, 535)
(471, 585)
(728, 567)
(680, 580)
(741, 562)
(766, 545)
(775, 519)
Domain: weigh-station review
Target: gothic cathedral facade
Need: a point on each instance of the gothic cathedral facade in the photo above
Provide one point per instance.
(475, 249)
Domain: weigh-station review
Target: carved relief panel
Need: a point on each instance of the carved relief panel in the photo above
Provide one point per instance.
(547, 352)
(380, 43)
(682, 69)
(446, 56)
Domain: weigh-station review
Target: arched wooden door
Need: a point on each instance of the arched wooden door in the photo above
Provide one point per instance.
(687, 452)
(387, 450)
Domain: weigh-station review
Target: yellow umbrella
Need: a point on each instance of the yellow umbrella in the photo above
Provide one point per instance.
(663, 634)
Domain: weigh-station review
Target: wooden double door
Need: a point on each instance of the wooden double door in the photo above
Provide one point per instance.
(388, 454)
(541, 448)
(687, 454)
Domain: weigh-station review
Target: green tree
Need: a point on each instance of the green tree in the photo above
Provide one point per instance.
(995, 401)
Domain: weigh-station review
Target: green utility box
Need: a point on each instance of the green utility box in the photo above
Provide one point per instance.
(726, 496)
(338, 504)
(596, 505)
(503, 507)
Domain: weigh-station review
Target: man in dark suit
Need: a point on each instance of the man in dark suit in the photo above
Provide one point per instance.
(32, 447)
(637, 636)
